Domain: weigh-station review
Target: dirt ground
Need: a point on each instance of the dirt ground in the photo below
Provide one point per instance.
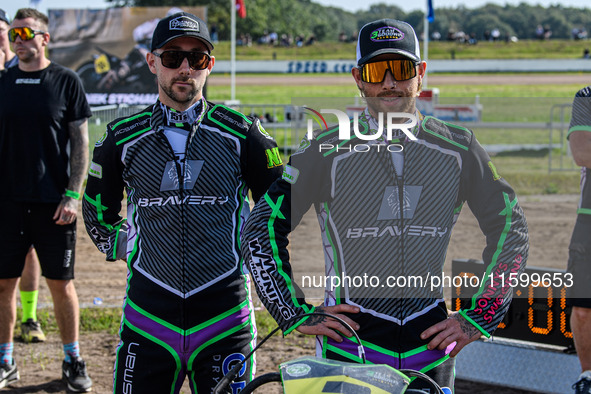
(550, 219)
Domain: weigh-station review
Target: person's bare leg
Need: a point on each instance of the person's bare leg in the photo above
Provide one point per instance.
(7, 309)
(67, 314)
(65, 305)
(580, 323)
(31, 272)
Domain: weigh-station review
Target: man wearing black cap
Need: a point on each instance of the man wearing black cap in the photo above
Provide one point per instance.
(387, 202)
(187, 166)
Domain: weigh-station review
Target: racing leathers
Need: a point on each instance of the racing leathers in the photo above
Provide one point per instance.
(187, 309)
(386, 211)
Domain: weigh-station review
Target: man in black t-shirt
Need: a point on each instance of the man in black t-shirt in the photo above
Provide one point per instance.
(29, 284)
(43, 160)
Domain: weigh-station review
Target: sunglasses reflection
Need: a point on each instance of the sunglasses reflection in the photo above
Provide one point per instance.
(174, 59)
(25, 33)
(401, 70)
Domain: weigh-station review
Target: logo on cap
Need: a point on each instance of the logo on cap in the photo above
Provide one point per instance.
(386, 33)
(183, 23)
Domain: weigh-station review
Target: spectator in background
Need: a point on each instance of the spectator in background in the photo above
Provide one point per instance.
(299, 40)
(43, 162)
(495, 34)
(586, 53)
(214, 33)
(29, 284)
(579, 256)
(7, 57)
(539, 32)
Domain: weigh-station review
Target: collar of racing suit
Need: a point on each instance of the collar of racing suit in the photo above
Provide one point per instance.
(164, 116)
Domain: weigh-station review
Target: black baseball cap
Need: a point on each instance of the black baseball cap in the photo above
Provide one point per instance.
(3, 16)
(181, 24)
(387, 36)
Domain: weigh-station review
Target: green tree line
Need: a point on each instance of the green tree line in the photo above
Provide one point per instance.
(306, 18)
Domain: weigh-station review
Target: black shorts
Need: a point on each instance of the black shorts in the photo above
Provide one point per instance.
(24, 225)
(579, 263)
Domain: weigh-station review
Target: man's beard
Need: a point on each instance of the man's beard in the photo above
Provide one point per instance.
(180, 97)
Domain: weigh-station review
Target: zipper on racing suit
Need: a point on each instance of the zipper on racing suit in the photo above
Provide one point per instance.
(181, 171)
(399, 182)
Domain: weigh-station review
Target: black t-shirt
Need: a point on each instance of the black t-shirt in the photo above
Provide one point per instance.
(35, 109)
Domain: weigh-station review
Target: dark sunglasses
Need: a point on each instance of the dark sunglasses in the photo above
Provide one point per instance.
(174, 59)
(401, 70)
(25, 33)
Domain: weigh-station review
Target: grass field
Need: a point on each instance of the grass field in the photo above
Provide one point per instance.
(525, 49)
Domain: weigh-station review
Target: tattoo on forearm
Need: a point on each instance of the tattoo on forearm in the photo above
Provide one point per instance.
(78, 131)
(466, 327)
(316, 319)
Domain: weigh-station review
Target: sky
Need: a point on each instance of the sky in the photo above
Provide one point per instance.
(354, 5)
(11, 6)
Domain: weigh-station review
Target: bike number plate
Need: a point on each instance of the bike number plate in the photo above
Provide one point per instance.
(101, 64)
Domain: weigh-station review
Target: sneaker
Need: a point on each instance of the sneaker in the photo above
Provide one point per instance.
(31, 331)
(74, 374)
(8, 374)
(583, 385)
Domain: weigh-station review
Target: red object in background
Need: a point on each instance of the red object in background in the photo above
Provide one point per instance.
(240, 8)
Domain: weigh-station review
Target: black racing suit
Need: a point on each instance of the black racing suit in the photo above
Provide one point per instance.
(379, 223)
(187, 309)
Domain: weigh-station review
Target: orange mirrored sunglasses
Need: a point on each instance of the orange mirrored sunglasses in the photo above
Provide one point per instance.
(401, 69)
